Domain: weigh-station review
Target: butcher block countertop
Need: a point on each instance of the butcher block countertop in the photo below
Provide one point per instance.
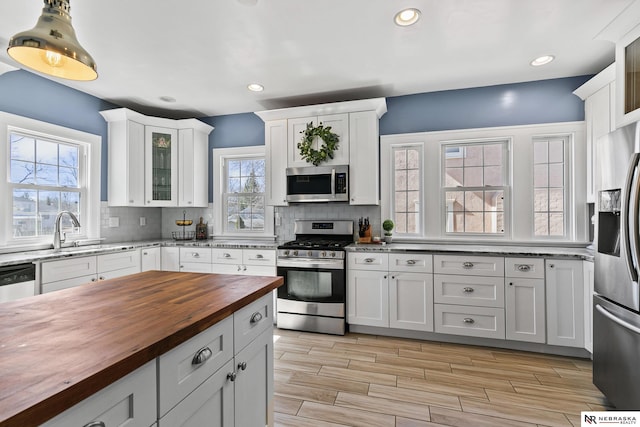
(59, 348)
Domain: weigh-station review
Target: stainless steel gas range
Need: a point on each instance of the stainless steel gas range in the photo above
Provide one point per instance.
(313, 266)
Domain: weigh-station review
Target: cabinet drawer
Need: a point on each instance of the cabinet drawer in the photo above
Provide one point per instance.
(483, 322)
(468, 265)
(119, 261)
(226, 256)
(419, 263)
(130, 401)
(226, 269)
(368, 261)
(69, 283)
(468, 290)
(202, 255)
(259, 257)
(251, 321)
(532, 268)
(68, 268)
(118, 273)
(180, 373)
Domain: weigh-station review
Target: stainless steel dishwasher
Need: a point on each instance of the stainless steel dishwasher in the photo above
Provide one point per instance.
(17, 281)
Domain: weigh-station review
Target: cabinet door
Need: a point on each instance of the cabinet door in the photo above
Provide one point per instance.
(69, 268)
(339, 125)
(254, 382)
(129, 260)
(411, 301)
(118, 273)
(161, 166)
(599, 122)
(150, 259)
(170, 258)
(275, 140)
(565, 302)
(192, 168)
(68, 283)
(211, 404)
(126, 155)
(368, 298)
(364, 158)
(295, 129)
(525, 309)
(195, 267)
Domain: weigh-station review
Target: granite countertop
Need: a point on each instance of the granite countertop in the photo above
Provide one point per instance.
(59, 348)
(579, 252)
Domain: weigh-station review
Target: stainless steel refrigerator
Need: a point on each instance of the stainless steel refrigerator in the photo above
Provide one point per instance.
(616, 305)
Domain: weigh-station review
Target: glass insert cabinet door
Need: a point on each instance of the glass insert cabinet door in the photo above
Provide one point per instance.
(161, 166)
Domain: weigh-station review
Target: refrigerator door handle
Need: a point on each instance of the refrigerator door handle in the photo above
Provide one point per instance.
(630, 208)
(617, 320)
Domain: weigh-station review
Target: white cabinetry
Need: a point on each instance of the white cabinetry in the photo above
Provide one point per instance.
(588, 305)
(276, 152)
(195, 260)
(74, 271)
(155, 161)
(130, 401)
(170, 258)
(368, 289)
(565, 302)
(150, 259)
(525, 302)
(250, 262)
(469, 295)
(364, 158)
(339, 124)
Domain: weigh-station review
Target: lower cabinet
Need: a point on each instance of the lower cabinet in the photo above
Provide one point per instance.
(368, 298)
(170, 258)
(150, 259)
(411, 301)
(524, 309)
(565, 302)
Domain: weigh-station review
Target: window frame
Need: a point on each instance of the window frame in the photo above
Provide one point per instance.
(220, 157)
(90, 160)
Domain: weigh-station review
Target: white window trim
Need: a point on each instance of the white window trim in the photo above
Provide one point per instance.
(91, 207)
(220, 155)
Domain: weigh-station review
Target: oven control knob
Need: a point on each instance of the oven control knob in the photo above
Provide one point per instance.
(323, 254)
(295, 253)
(286, 253)
(333, 254)
(309, 253)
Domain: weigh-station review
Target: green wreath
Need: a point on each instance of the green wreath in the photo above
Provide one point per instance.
(329, 144)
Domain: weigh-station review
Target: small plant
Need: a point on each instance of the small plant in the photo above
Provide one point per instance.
(387, 226)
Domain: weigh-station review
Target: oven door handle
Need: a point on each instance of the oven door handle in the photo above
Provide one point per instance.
(304, 263)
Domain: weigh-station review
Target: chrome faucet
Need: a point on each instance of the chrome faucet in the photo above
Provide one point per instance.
(57, 238)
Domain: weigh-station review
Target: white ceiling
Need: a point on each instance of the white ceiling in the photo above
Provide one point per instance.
(203, 53)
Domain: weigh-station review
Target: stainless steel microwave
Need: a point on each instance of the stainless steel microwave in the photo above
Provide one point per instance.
(318, 184)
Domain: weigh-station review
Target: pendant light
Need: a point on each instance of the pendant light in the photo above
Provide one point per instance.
(51, 47)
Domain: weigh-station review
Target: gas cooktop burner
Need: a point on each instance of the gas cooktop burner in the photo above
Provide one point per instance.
(316, 244)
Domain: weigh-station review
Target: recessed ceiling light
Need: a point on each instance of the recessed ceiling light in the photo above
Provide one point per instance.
(542, 60)
(407, 17)
(255, 87)
(167, 98)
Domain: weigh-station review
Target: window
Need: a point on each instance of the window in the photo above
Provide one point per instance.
(474, 186)
(407, 189)
(549, 186)
(239, 187)
(47, 169)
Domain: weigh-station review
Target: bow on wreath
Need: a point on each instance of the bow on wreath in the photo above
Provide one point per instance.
(325, 152)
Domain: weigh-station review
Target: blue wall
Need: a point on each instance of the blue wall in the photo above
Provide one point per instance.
(546, 101)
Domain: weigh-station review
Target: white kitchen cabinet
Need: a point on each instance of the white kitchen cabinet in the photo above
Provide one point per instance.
(468, 265)
(276, 152)
(339, 125)
(411, 291)
(193, 164)
(565, 302)
(195, 260)
(368, 297)
(170, 258)
(150, 259)
(250, 262)
(525, 299)
(130, 401)
(484, 322)
(364, 158)
(468, 290)
(588, 305)
(161, 166)
(74, 271)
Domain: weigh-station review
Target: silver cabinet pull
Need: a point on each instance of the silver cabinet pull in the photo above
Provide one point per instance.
(231, 376)
(95, 424)
(144, 253)
(195, 255)
(524, 268)
(468, 289)
(239, 268)
(368, 260)
(242, 366)
(467, 264)
(227, 255)
(468, 320)
(202, 356)
(244, 268)
(259, 256)
(411, 262)
(255, 317)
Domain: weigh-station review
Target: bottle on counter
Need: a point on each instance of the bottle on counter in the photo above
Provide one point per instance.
(201, 230)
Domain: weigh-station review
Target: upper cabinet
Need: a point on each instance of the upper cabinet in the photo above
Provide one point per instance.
(356, 125)
(156, 162)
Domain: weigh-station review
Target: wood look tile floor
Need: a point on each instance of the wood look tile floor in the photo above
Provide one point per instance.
(366, 380)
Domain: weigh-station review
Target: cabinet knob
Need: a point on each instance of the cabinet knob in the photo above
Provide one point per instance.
(468, 289)
(468, 320)
(231, 376)
(242, 366)
(524, 268)
(238, 268)
(255, 317)
(130, 201)
(195, 255)
(101, 278)
(244, 268)
(510, 283)
(95, 424)
(144, 253)
(551, 265)
(202, 356)
(467, 264)
(93, 279)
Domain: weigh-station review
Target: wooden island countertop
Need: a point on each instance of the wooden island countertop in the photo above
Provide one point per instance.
(58, 349)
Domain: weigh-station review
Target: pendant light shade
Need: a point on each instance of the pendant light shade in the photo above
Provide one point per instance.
(51, 47)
